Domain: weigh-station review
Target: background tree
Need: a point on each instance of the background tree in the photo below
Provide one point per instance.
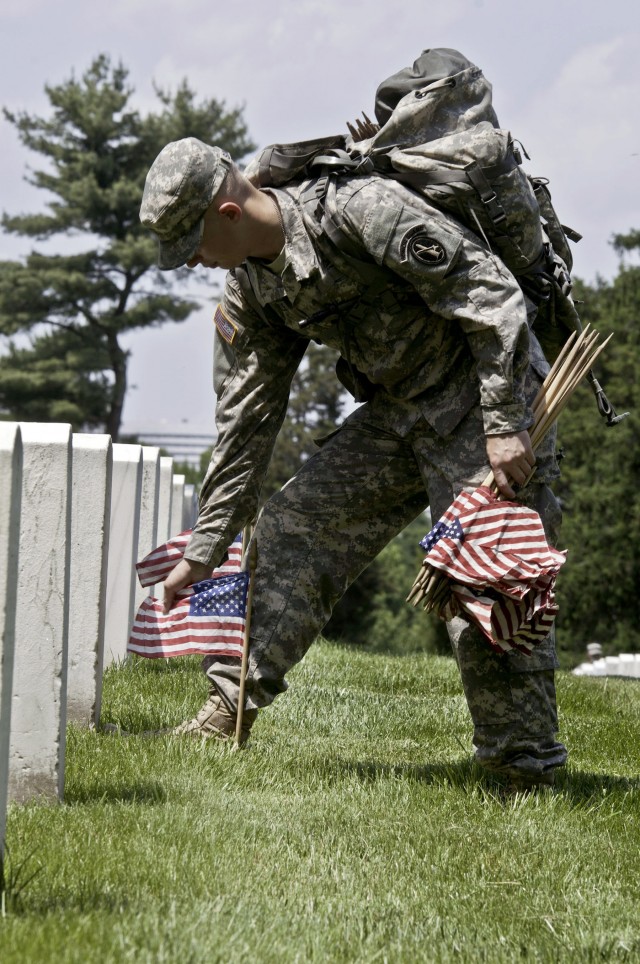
(373, 612)
(75, 307)
(317, 404)
(316, 407)
(600, 485)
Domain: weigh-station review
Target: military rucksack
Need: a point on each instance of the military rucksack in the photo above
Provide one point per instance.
(437, 132)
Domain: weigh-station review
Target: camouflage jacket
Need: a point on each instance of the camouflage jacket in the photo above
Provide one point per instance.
(438, 324)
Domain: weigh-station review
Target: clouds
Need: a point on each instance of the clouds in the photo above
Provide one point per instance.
(303, 67)
(582, 131)
(592, 104)
(566, 78)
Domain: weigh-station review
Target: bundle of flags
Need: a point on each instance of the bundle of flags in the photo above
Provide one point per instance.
(208, 617)
(489, 558)
(500, 569)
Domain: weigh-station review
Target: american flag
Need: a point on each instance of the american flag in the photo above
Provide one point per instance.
(207, 618)
(155, 567)
(501, 569)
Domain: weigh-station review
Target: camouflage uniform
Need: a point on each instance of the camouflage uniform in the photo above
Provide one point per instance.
(440, 327)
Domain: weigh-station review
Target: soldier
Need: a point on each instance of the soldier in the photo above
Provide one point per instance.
(595, 663)
(437, 334)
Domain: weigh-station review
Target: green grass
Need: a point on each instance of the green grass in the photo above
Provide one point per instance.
(355, 827)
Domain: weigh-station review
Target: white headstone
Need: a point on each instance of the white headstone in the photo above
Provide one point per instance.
(148, 535)
(177, 503)
(612, 665)
(148, 531)
(10, 492)
(126, 489)
(627, 664)
(91, 505)
(190, 507)
(164, 499)
(38, 711)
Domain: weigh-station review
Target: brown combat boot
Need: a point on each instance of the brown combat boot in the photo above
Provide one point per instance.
(529, 783)
(215, 721)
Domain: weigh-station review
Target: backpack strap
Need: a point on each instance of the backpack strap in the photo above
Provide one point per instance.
(325, 165)
(488, 196)
(279, 164)
(479, 177)
(380, 284)
(263, 311)
(322, 193)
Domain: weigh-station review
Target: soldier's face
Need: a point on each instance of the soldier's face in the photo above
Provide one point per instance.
(222, 244)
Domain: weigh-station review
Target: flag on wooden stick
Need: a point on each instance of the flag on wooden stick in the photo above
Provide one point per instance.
(501, 570)
(207, 618)
(156, 566)
(515, 608)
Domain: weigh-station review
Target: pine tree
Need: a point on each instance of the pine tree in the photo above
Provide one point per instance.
(316, 406)
(74, 308)
(600, 485)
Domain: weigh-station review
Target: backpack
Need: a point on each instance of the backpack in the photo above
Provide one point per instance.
(437, 132)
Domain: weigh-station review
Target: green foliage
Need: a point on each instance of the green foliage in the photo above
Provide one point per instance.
(96, 151)
(60, 378)
(14, 881)
(193, 474)
(374, 614)
(600, 486)
(316, 405)
(355, 827)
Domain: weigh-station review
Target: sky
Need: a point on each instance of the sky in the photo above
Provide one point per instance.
(565, 76)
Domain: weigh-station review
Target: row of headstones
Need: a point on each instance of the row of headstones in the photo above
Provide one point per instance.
(625, 664)
(76, 513)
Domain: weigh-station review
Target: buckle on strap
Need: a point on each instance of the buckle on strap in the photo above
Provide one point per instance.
(342, 161)
(487, 195)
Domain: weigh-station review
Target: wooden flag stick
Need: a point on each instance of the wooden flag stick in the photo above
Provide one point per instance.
(431, 587)
(563, 392)
(559, 373)
(558, 363)
(252, 561)
(559, 389)
(563, 397)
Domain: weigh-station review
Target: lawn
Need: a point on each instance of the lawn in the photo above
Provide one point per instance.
(355, 827)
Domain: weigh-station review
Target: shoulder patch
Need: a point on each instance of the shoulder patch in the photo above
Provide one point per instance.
(226, 328)
(419, 245)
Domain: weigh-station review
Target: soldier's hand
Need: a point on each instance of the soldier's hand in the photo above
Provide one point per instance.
(183, 575)
(511, 458)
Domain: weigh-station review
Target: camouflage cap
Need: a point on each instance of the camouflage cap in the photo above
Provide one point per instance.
(181, 184)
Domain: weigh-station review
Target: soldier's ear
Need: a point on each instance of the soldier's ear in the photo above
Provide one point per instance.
(230, 210)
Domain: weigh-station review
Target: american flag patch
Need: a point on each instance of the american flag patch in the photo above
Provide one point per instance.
(225, 326)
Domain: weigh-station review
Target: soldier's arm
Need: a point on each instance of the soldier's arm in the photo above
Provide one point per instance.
(460, 280)
(253, 368)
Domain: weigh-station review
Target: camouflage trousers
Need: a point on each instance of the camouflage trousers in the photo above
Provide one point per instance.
(330, 521)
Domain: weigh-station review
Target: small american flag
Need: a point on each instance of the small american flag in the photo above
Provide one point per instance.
(501, 568)
(155, 567)
(207, 618)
